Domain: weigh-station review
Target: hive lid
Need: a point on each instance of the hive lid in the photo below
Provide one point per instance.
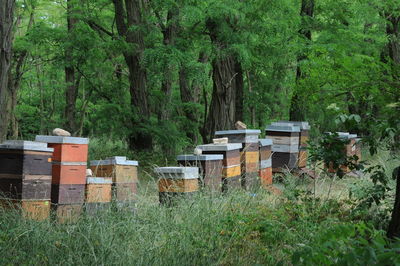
(201, 157)
(220, 147)
(115, 160)
(304, 125)
(178, 172)
(61, 139)
(283, 127)
(99, 180)
(71, 163)
(265, 142)
(25, 145)
(237, 132)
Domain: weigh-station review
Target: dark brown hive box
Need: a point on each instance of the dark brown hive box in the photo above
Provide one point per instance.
(31, 189)
(24, 158)
(210, 169)
(67, 194)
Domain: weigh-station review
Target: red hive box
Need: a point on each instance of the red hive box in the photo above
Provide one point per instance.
(67, 149)
(69, 173)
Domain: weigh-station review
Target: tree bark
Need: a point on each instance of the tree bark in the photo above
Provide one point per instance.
(6, 34)
(169, 32)
(394, 225)
(71, 92)
(296, 112)
(131, 12)
(227, 96)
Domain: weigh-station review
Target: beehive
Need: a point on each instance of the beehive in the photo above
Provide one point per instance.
(73, 173)
(265, 171)
(66, 149)
(68, 193)
(67, 213)
(124, 175)
(38, 210)
(98, 190)
(118, 167)
(231, 170)
(249, 154)
(284, 156)
(352, 148)
(174, 182)
(210, 166)
(25, 177)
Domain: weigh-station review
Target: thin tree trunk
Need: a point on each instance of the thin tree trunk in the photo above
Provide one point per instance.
(169, 34)
(6, 36)
(131, 12)
(252, 108)
(71, 92)
(394, 225)
(296, 112)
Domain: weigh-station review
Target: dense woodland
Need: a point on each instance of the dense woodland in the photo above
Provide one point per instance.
(153, 78)
(167, 74)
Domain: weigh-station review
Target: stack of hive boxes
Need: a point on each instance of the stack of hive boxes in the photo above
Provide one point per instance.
(124, 174)
(249, 154)
(98, 194)
(210, 166)
(265, 162)
(176, 182)
(285, 149)
(231, 173)
(304, 137)
(69, 175)
(25, 177)
(353, 147)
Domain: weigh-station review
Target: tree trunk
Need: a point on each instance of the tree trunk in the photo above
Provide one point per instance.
(222, 113)
(296, 112)
(227, 96)
(394, 225)
(6, 27)
(138, 139)
(71, 92)
(169, 34)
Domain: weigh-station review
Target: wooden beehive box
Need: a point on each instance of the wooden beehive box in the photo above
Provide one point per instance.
(25, 170)
(176, 182)
(284, 156)
(66, 149)
(31, 209)
(210, 166)
(69, 173)
(118, 167)
(68, 193)
(67, 213)
(124, 192)
(249, 158)
(231, 170)
(98, 189)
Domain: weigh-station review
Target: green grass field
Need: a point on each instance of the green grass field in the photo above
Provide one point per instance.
(296, 227)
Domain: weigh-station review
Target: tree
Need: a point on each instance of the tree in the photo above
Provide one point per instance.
(130, 27)
(6, 30)
(307, 12)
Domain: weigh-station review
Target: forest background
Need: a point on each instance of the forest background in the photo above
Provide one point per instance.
(164, 75)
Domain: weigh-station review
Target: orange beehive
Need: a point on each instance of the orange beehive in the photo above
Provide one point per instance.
(69, 173)
(266, 177)
(67, 149)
